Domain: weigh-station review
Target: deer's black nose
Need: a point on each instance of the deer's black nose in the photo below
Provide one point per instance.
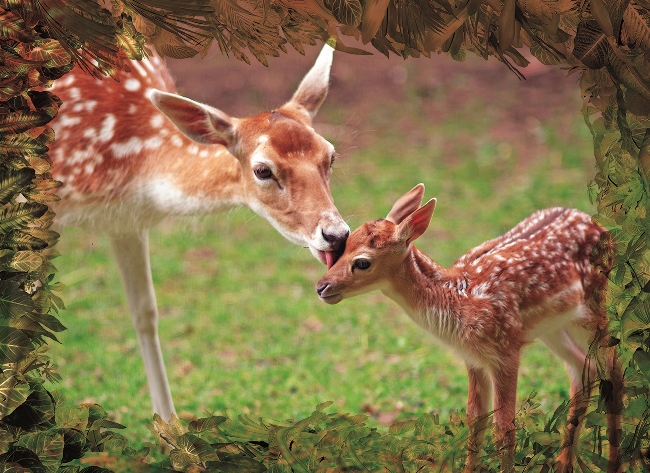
(335, 239)
(322, 287)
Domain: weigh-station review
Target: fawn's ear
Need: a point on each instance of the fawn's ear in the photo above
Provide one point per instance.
(406, 205)
(313, 89)
(202, 123)
(413, 226)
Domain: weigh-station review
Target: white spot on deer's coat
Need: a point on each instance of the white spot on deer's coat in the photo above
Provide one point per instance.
(132, 84)
(65, 121)
(66, 81)
(126, 148)
(106, 132)
(262, 139)
(152, 143)
(75, 94)
(203, 153)
(132, 109)
(90, 133)
(156, 121)
(87, 106)
(177, 141)
(193, 149)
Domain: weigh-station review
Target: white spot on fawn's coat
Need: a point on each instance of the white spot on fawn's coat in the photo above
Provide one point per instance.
(132, 84)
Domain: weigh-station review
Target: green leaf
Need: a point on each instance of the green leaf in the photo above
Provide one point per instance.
(18, 122)
(75, 444)
(13, 27)
(19, 241)
(47, 445)
(642, 359)
(14, 181)
(26, 261)
(15, 217)
(36, 411)
(207, 423)
(14, 302)
(47, 320)
(237, 464)
(13, 392)
(190, 450)
(21, 145)
(400, 428)
(14, 344)
(591, 45)
(51, 53)
(347, 12)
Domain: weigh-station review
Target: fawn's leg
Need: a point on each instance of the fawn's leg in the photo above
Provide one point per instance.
(478, 404)
(582, 373)
(132, 255)
(504, 381)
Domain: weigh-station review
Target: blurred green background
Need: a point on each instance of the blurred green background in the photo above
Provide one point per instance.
(241, 327)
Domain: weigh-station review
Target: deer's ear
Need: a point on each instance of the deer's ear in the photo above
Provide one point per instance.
(202, 123)
(406, 205)
(313, 89)
(413, 226)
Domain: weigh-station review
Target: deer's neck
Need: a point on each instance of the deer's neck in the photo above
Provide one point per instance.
(430, 294)
(192, 179)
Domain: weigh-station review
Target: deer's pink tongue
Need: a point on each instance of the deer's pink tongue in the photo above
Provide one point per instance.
(329, 259)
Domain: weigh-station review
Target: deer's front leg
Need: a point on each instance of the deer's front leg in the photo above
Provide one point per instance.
(478, 404)
(505, 399)
(132, 255)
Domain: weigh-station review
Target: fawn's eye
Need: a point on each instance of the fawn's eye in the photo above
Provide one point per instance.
(333, 158)
(360, 264)
(263, 172)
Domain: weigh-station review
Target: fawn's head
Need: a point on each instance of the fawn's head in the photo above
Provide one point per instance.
(285, 164)
(376, 249)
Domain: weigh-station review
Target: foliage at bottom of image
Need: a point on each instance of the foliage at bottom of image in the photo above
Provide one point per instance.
(44, 436)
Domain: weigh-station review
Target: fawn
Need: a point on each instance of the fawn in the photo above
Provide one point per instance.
(133, 152)
(534, 282)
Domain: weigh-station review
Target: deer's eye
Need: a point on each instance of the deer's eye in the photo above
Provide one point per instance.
(263, 172)
(361, 263)
(333, 158)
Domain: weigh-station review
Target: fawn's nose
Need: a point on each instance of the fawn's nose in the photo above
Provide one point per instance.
(336, 239)
(322, 287)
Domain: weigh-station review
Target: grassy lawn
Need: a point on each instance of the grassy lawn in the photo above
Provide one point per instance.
(241, 327)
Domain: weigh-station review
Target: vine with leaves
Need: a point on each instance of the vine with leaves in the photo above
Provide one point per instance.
(606, 42)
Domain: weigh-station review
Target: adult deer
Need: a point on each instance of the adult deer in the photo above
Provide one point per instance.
(125, 166)
(534, 282)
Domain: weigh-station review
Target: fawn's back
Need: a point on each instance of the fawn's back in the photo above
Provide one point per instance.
(541, 266)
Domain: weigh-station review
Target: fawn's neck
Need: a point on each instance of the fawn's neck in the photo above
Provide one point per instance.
(428, 293)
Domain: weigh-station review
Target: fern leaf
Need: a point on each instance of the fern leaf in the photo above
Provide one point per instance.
(635, 31)
(373, 15)
(591, 46)
(625, 72)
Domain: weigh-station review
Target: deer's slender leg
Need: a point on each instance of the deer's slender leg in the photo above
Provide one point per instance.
(478, 404)
(505, 403)
(132, 255)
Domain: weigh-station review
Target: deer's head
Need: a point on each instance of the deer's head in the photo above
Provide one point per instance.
(285, 164)
(375, 251)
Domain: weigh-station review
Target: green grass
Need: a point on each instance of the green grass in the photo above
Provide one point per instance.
(241, 327)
